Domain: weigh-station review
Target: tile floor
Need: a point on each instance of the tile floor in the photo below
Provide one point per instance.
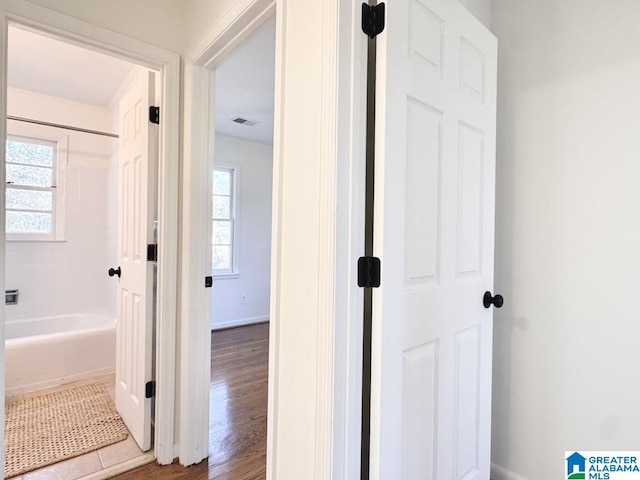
(78, 467)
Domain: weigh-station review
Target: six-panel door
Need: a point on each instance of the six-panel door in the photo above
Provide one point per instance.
(136, 203)
(434, 232)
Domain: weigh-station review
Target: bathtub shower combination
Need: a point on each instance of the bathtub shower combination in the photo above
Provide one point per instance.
(47, 352)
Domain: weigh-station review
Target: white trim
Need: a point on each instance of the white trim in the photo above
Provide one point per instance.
(167, 306)
(339, 173)
(501, 473)
(226, 276)
(326, 323)
(3, 133)
(195, 366)
(241, 20)
(86, 35)
(350, 228)
(240, 322)
(276, 250)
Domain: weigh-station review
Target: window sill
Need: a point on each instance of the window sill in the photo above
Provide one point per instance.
(226, 276)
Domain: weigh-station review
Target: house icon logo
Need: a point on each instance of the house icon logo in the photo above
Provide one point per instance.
(576, 466)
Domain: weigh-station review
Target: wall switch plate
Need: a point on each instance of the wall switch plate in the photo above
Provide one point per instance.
(243, 299)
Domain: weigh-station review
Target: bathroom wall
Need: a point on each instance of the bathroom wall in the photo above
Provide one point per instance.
(60, 277)
(111, 222)
(253, 162)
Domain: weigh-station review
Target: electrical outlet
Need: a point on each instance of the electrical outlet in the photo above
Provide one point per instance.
(243, 299)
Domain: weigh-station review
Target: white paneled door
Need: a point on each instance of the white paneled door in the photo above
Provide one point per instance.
(136, 203)
(434, 232)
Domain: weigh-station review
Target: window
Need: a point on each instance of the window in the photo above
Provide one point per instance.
(223, 220)
(33, 202)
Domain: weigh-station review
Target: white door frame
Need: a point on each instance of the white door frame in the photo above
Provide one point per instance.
(167, 64)
(325, 441)
(242, 20)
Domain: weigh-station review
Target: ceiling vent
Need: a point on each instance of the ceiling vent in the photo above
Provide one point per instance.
(243, 121)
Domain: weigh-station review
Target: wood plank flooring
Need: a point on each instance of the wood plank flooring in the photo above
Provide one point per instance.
(238, 419)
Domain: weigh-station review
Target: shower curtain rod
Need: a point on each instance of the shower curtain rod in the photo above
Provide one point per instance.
(66, 127)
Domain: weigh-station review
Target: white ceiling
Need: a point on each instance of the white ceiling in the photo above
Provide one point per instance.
(245, 85)
(51, 67)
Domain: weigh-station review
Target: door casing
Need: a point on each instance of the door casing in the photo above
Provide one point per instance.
(167, 64)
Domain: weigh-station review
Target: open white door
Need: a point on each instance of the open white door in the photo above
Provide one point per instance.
(434, 233)
(136, 206)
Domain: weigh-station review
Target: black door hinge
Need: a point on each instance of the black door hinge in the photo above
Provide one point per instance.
(208, 282)
(154, 115)
(152, 252)
(372, 19)
(150, 389)
(369, 272)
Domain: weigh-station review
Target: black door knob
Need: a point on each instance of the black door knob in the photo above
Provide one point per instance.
(115, 271)
(488, 300)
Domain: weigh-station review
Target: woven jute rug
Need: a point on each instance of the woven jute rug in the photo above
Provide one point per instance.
(46, 429)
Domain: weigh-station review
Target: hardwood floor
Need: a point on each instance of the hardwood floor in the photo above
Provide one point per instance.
(238, 419)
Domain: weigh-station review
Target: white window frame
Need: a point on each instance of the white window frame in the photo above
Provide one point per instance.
(45, 135)
(233, 272)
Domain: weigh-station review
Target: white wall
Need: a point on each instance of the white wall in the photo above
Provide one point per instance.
(201, 15)
(111, 223)
(60, 277)
(254, 164)
(481, 9)
(567, 232)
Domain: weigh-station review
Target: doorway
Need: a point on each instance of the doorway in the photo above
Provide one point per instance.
(167, 65)
(242, 188)
(317, 190)
(62, 226)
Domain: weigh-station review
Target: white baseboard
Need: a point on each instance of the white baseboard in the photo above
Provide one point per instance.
(240, 322)
(176, 451)
(501, 473)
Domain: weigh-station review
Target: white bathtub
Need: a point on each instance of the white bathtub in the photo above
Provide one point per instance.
(47, 352)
